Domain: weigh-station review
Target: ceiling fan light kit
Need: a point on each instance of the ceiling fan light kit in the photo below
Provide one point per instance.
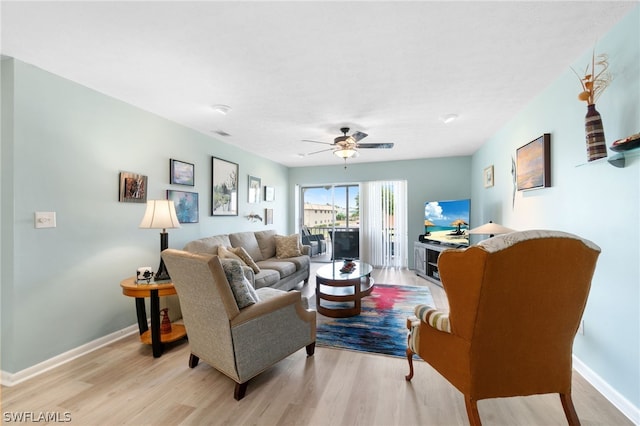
(347, 146)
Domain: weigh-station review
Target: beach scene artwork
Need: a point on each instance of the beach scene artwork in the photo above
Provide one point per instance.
(447, 222)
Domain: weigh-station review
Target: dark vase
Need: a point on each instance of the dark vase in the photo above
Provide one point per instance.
(596, 146)
(165, 324)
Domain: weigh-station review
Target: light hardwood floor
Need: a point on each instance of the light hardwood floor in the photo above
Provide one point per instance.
(123, 384)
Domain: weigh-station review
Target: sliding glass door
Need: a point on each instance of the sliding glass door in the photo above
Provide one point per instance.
(332, 211)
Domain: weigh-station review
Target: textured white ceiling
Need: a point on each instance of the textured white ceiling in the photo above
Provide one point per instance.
(301, 70)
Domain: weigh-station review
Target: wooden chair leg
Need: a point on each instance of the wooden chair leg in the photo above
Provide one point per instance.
(409, 376)
(193, 361)
(240, 390)
(569, 409)
(472, 411)
(311, 349)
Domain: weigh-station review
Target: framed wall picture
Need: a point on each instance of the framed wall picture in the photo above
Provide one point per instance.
(488, 177)
(269, 193)
(224, 187)
(181, 173)
(533, 164)
(186, 203)
(268, 216)
(133, 188)
(255, 187)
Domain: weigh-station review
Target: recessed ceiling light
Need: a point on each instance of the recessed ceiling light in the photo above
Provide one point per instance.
(446, 119)
(222, 109)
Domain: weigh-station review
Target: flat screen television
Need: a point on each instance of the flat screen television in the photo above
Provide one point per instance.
(447, 222)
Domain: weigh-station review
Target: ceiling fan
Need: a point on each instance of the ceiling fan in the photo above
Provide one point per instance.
(347, 146)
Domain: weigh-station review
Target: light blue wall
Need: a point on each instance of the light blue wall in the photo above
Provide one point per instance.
(597, 201)
(427, 180)
(63, 146)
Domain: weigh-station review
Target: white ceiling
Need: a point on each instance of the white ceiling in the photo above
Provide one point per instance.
(301, 70)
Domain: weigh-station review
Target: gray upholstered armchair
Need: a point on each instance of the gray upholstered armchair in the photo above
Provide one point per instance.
(239, 342)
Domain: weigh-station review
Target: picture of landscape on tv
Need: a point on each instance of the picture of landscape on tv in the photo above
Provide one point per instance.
(447, 222)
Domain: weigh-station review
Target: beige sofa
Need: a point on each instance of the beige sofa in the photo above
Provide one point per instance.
(284, 274)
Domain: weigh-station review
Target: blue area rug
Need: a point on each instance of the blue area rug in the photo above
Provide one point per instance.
(381, 327)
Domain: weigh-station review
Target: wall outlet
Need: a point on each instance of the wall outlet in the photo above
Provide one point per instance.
(581, 328)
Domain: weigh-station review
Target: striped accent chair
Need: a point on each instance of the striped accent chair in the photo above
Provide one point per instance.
(515, 305)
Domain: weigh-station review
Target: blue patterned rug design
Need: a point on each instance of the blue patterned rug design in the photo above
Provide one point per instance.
(381, 327)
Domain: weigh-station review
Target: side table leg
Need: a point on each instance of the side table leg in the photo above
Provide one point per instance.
(141, 313)
(156, 344)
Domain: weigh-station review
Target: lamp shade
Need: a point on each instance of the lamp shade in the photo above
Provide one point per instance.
(491, 228)
(160, 214)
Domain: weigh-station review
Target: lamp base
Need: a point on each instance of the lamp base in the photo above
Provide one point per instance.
(162, 275)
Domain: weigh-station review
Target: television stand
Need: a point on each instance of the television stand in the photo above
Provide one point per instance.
(425, 257)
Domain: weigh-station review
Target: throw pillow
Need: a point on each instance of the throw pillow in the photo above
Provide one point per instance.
(242, 290)
(287, 246)
(244, 256)
(227, 253)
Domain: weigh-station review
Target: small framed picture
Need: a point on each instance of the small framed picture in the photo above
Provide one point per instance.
(181, 173)
(133, 188)
(488, 177)
(269, 193)
(254, 189)
(268, 216)
(186, 204)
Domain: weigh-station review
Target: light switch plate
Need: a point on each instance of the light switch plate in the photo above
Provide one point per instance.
(45, 219)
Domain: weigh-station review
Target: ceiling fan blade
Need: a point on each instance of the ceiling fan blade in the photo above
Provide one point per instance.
(358, 136)
(375, 145)
(324, 143)
(316, 152)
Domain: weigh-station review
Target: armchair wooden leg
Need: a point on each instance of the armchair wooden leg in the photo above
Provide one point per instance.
(409, 376)
(193, 361)
(311, 349)
(240, 390)
(472, 411)
(569, 409)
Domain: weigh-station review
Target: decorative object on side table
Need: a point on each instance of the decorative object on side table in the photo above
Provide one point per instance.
(144, 275)
(161, 214)
(596, 78)
(165, 324)
(348, 266)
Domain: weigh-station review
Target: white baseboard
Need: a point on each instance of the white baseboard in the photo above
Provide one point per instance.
(613, 396)
(10, 379)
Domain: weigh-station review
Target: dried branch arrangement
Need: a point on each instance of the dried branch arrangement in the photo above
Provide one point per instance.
(596, 78)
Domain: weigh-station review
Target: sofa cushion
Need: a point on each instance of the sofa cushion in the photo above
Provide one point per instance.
(249, 242)
(266, 278)
(242, 290)
(267, 243)
(301, 262)
(287, 246)
(225, 253)
(208, 245)
(283, 267)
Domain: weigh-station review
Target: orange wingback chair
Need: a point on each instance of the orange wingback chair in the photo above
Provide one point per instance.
(515, 305)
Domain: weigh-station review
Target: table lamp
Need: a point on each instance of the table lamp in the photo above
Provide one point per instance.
(491, 229)
(161, 214)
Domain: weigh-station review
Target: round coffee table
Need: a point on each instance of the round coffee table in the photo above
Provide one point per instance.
(343, 291)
